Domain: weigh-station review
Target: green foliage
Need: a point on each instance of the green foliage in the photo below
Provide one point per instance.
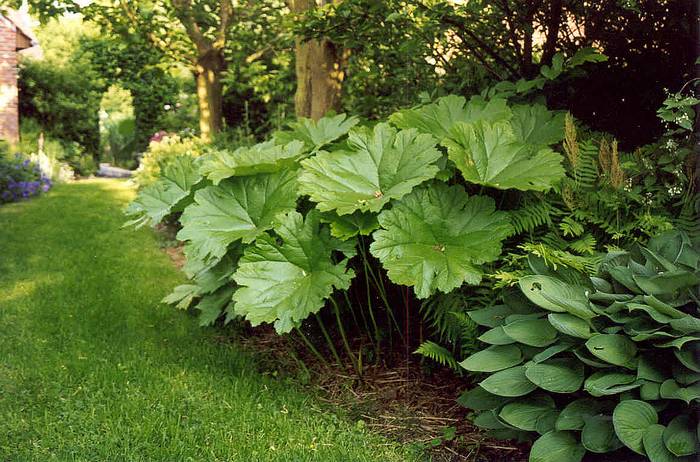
(163, 151)
(613, 350)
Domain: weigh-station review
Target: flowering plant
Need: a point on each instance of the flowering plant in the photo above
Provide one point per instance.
(20, 179)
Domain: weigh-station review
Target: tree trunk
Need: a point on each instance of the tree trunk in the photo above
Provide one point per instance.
(209, 94)
(319, 72)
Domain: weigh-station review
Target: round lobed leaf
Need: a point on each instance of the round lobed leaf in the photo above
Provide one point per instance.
(435, 238)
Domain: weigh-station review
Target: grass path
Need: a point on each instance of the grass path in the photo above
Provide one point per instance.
(92, 368)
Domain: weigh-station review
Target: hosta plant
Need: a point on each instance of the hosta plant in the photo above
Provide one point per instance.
(596, 364)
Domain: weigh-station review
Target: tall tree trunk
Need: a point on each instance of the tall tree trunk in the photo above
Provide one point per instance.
(319, 71)
(209, 94)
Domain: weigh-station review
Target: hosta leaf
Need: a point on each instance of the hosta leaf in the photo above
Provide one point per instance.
(488, 420)
(671, 390)
(249, 160)
(496, 315)
(510, 382)
(496, 336)
(285, 282)
(316, 135)
(348, 226)
(574, 415)
(558, 375)
(686, 324)
(435, 238)
(239, 208)
(649, 391)
(555, 295)
(598, 435)
(655, 449)
(525, 412)
(557, 446)
(650, 368)
(383, 165)
(552, 351)
(678, 342)
(167, 195)
(667, 282)
(545, 422)
(631, 419)
(570, 325)
(437, 118)
(679, 437)
(612, 348)
(536, 125)
(533, 332)
(490, 155)
(493, 358)
(479, 399)
(687, 356)
(610, 383)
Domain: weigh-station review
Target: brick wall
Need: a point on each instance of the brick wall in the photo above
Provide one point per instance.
(9, 118)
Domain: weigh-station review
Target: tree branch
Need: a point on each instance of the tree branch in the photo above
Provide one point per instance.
(553, 24)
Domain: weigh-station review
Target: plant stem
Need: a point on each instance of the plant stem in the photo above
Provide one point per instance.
(329, 341)
(312, 348)
(341, 329)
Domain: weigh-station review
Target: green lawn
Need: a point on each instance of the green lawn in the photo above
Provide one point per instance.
(92, 368)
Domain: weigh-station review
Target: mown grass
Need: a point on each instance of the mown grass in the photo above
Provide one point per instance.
(92, 368)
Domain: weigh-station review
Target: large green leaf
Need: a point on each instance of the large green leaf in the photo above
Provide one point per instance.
(348, 226)
(575, 414)
(383, 165)
(612, 348)
(671, 390)
(631, 419)
(655, 449)
(679, 437)
(555, 295)
(491, 155)
(598, 435)
(439, 117)
(265, 157)
(525, 412)
(532, 332)
(510, 382)
(610, 383)
(239, 208)
(212, 305)
(570, 325)
(478, 399)
(557, 446)
(285, 278)
(316, 135)
(494, 316)
(169, 194)
(435, 238)
(493, 358)
(558, 375)
(536, 125)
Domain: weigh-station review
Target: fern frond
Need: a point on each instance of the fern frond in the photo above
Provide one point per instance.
(571, 227)
(584, 245)
(437, 353)
(531, 216)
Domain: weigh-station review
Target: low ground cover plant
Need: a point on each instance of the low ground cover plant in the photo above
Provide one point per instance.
(596, 364)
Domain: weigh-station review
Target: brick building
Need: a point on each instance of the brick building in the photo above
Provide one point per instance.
(13, 38)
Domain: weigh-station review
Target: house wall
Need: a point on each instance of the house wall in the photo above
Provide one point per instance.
(9, 116)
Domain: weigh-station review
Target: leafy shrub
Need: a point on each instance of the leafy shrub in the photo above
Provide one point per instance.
(255, 205)
(163, 150)
(20, 179)
(596, 363)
